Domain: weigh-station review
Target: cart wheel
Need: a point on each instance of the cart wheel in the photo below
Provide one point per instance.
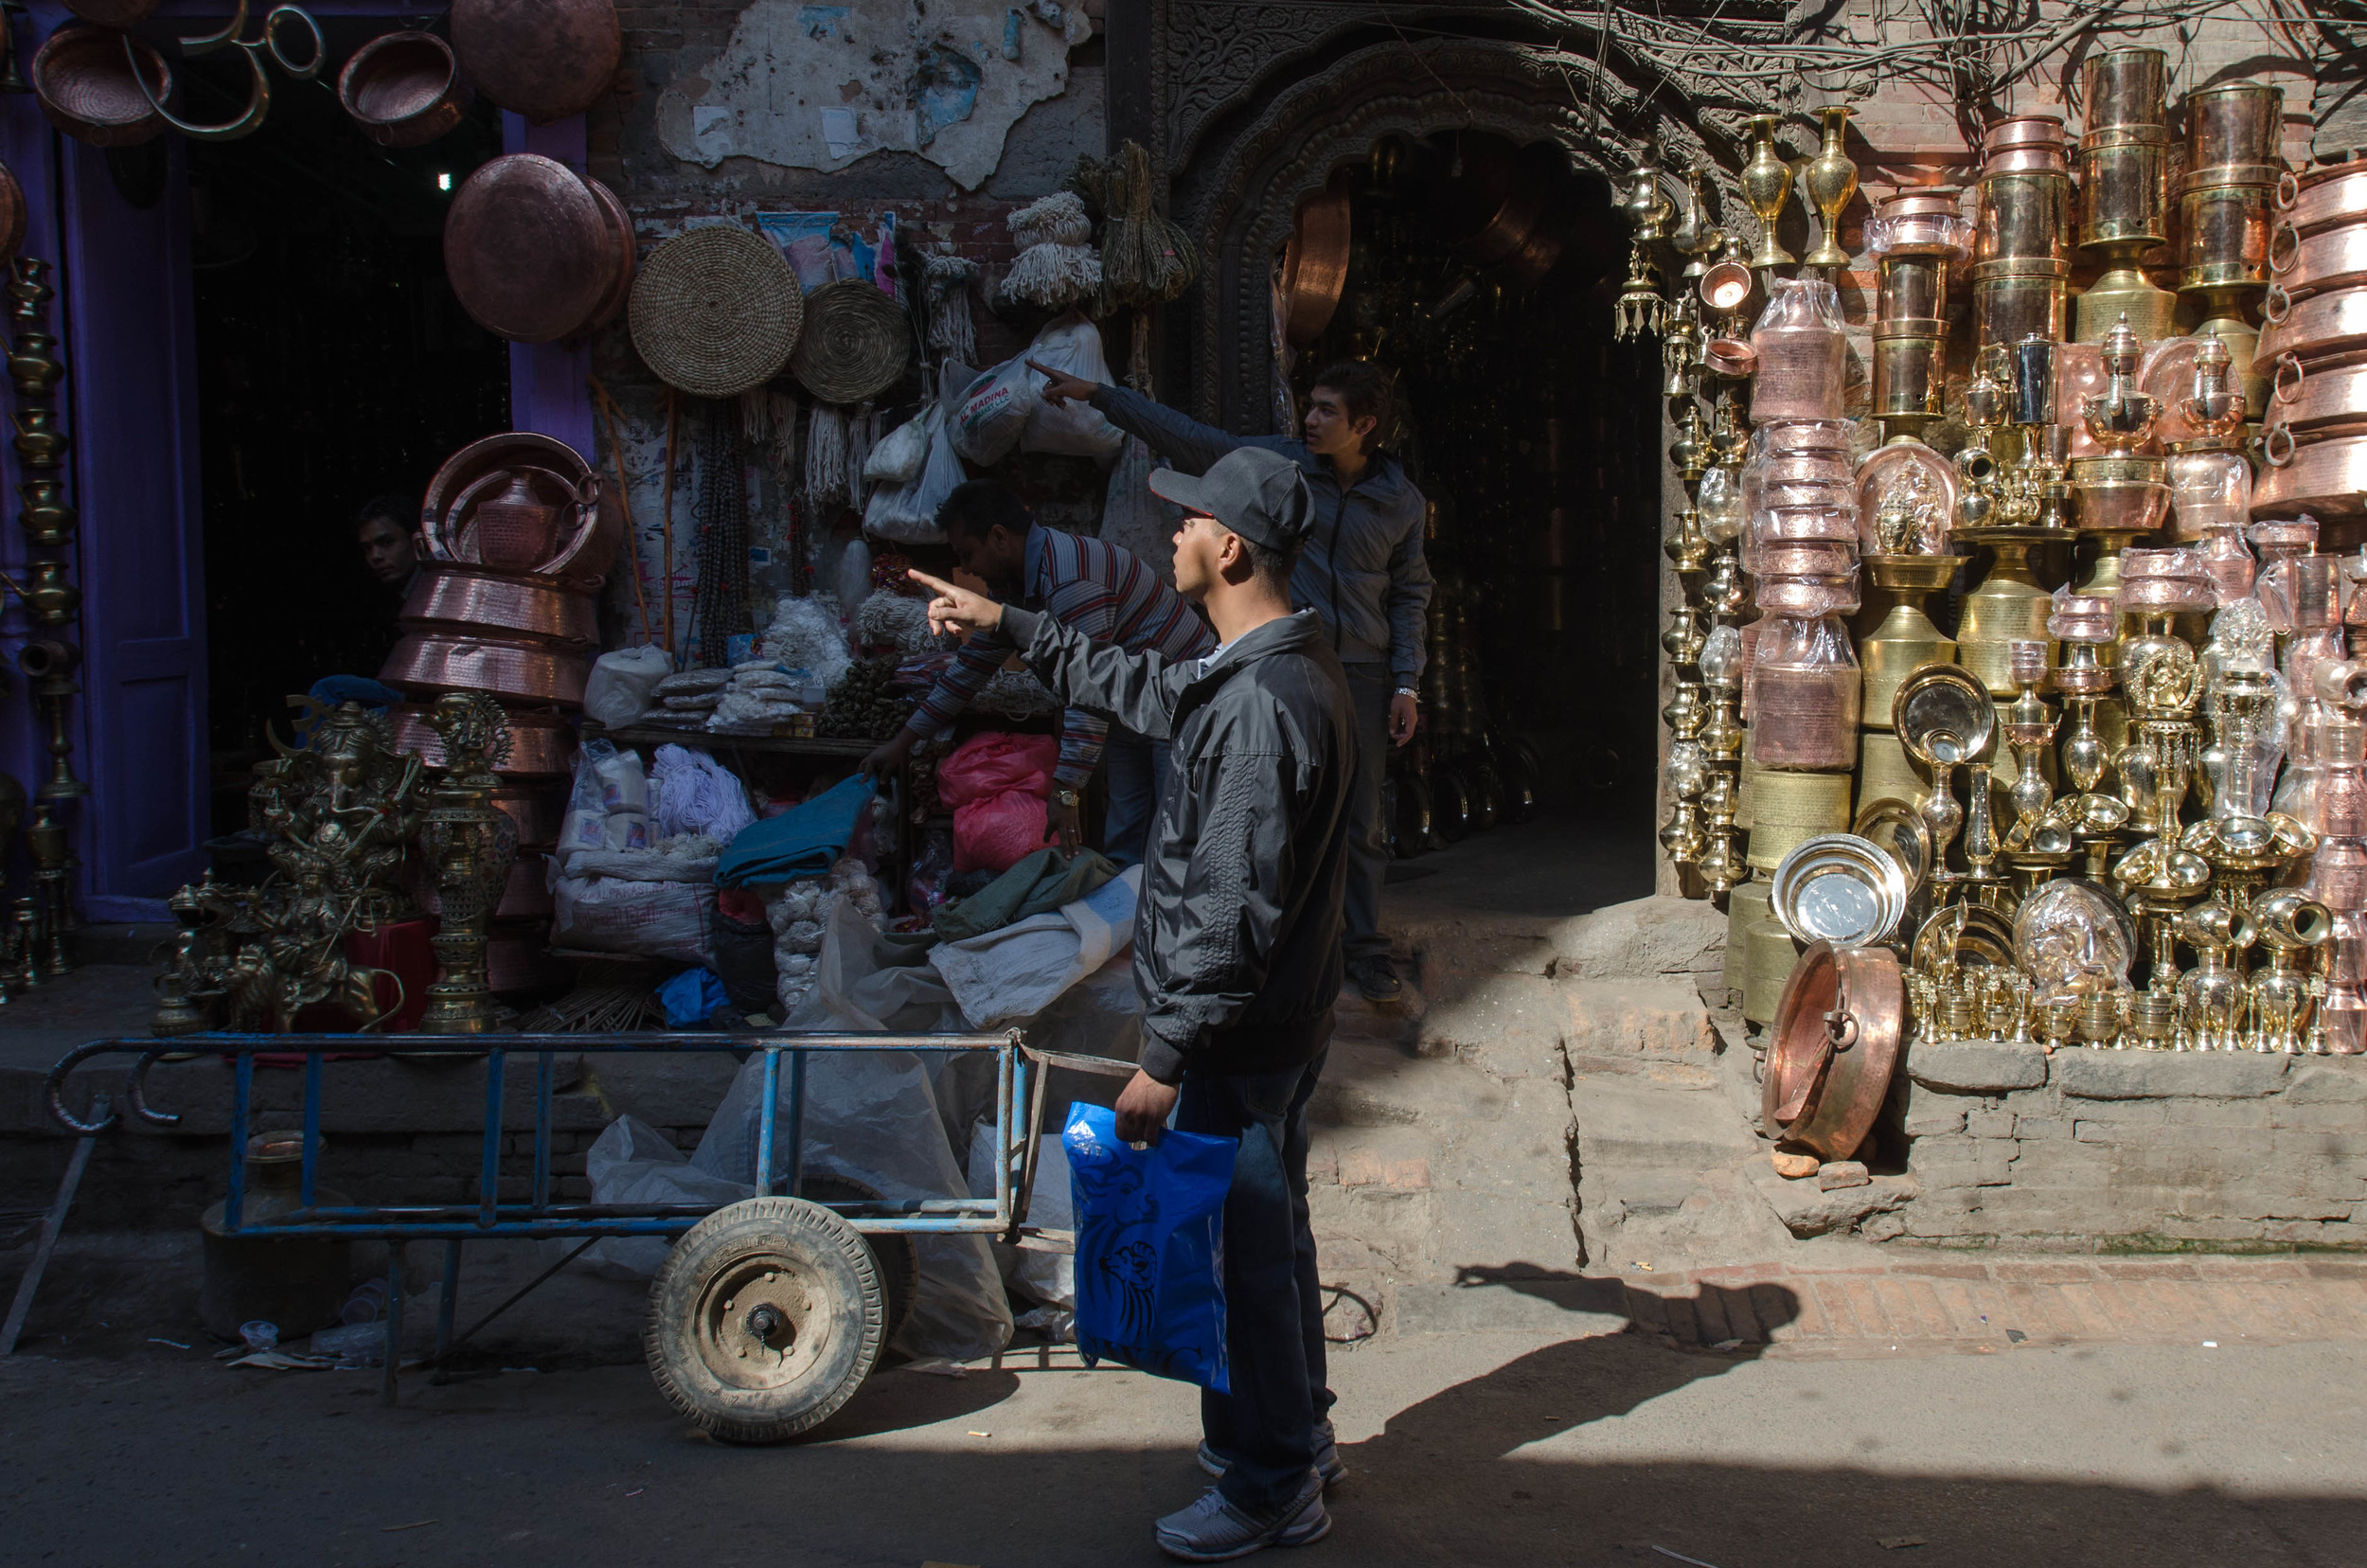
(766, 1317)
(897, 1257)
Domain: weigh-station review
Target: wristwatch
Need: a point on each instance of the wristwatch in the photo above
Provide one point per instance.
(1065, 796)
(1409, 691)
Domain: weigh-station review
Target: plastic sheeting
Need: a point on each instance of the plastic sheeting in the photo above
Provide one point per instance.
(1011, 974)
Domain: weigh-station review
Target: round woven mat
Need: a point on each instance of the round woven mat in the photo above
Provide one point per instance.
(716, 312)
(857, 342)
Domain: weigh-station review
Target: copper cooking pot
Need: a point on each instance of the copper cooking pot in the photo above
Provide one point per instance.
(2323, 198)
(528, 249)
(2324, 478)
(543, 59)
(515, 669)
(1315, 266)
(542, 744)
(1832, 1048)
(403, 89)
(2313, 263)
(506, 602)
(87, 90)
(2024, 142)
(2313, 328)
(597, 532)
(2302, 399)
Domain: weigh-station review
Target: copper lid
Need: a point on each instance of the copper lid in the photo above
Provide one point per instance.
(2021, 131)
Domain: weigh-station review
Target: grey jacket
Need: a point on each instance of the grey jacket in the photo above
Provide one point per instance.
(1237, 936)
(1362, 570)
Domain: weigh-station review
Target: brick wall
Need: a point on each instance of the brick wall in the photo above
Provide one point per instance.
(2084, 1148)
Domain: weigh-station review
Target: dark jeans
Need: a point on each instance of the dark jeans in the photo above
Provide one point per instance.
(1370, 686)
(1273, 1304)
(1138, 779)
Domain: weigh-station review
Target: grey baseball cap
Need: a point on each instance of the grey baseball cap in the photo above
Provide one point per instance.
(1260, 495)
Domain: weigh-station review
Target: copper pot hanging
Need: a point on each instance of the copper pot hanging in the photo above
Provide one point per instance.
(1315, 266)
(86, 88)
(529, 250)
(543, 59)
(1832, 1048)
(403, 89)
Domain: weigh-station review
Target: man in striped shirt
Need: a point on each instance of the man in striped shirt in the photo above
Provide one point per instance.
(1108, 594)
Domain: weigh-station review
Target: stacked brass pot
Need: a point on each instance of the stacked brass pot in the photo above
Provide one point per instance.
(2234, 163)
(2022, 249)
(2313, 351)
(517, 532)
(1918, 234)
(2123, 190)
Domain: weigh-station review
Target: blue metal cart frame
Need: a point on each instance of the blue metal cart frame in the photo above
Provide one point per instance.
(1020, 1074)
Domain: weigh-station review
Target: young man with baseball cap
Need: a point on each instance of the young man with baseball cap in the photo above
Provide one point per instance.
(1237, 952)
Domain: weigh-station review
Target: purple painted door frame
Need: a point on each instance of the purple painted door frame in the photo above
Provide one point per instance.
(126, 320)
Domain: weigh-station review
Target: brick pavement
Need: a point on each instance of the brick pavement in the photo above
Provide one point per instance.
(1978, 1305)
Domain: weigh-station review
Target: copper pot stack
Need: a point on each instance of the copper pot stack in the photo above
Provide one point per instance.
(2313, 351)
(1918, 236)
(2123, 190)
(2233, 165)
(1800, 501)
(517, 531)
(2022, 247)
(2337, 871)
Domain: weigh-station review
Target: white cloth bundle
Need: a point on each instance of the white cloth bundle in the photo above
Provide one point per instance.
(1054, 277)
(1056, 220)
(697, 794)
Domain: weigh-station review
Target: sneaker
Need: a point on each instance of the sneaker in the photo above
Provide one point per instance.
(1328, 1461)
(1376, 976)
(1213, 1530)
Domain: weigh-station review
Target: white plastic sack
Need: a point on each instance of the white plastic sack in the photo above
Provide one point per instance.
(1010, 974)
(897, 459)
(1041, 1277)
(1071, 345)
(994, 412)
(607, 804)
(908, 513)
(623, 684)
(1136, 521)
(632, 1162)
(656, 919)
(870, 1115)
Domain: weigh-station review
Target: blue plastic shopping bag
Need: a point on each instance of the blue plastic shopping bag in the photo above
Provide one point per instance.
(1151, 1247)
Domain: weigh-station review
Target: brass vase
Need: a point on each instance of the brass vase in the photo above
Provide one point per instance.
(1765, 186)
(1904, 636)
(1827, 181)
(2008, 607)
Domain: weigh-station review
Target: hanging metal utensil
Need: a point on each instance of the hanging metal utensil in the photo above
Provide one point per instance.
(265, 43)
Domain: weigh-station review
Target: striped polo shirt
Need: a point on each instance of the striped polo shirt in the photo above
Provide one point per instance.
(1107, 593)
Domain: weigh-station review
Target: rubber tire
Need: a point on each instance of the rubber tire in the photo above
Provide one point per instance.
(842, 1281)
(897, 1255)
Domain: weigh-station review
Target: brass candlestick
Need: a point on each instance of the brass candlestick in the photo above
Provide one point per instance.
(469, 843)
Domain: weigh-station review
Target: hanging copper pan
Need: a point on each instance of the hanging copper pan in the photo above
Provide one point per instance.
(621, 241)
(543, 59)
(1832, 1048)
(507, 602)
(1315, 266)
(513, 669)
(403, 89)
(528, 248)
(87, 90)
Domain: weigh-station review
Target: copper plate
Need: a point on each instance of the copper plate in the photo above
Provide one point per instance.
(620, 225)
(428, 663)
(541, 745)
(1832, 1048)
(543, 59)
(504, 601)
(1315, 266)
(87, 91)
(403, 89)
(2324, 478)
(528, 248)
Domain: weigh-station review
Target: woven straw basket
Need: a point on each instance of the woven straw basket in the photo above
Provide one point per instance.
(716, 312)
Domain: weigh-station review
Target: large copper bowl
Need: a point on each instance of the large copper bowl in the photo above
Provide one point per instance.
(543, 59)
(428, 663)
(541, 745)
(403, 89)
(87, 90)
(585, 561)
(502, 601)
(1832, 1048)
(528, 248)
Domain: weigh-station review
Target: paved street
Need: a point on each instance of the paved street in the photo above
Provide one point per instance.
(1486, 1447)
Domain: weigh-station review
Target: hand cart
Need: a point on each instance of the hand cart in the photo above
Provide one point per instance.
(768, 1314)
